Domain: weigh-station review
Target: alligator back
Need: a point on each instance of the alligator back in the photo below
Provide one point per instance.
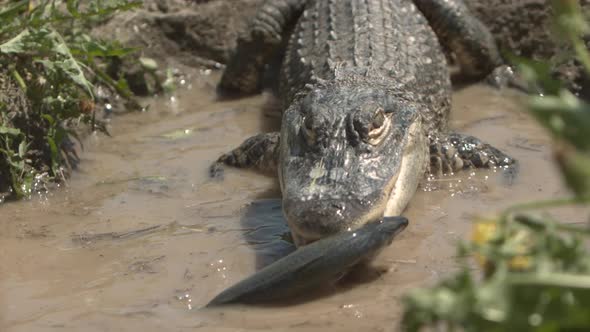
(382, 44)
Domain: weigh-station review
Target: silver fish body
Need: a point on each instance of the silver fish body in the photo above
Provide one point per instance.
(313, 264)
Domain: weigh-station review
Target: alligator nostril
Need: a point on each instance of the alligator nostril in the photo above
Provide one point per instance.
(338, 206)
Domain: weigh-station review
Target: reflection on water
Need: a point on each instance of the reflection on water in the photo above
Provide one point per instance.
(266, 231)
(78, 260)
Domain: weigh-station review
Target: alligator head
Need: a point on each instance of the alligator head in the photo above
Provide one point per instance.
(349, 155)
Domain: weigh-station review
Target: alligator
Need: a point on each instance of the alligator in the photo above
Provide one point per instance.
(366, 94)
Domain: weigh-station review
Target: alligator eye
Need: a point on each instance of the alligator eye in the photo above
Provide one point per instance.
(378, 120)
(378, 127)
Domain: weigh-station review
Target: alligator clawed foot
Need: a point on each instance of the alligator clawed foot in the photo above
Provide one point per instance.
(455, 152)
(216, 171)
(259, 152)
(441, 165)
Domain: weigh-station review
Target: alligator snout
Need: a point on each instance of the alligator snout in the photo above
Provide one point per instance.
(313, 219)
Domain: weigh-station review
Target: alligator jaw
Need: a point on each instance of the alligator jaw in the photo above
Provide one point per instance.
(413, 168)
(403, 186)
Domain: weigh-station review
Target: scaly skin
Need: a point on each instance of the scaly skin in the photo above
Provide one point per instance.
(366, 89)
(357, 43)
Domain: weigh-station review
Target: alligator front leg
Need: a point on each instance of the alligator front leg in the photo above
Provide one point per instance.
(468, 39)
(454, 152)
(257, 46)
(260, 152)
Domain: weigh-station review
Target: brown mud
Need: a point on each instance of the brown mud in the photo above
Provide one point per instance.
(140, 237)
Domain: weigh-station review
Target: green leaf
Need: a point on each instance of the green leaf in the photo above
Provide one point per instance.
(571, 24)
(575, 167)
(72, 69)
(49, 119)
(70, 66)
(168, 85)
(14, 160)
(566, 116)
(565, 280)
(72, 6)
(9, 131)
(148, 63)
(122, 85)
(60, 135)
(7, 153)
(54, 154)
(19, 80)
(22, 149)
(51, 33)
(27, 183)
(95, 48)
(13, 10)
(16, 44)
(537, 74)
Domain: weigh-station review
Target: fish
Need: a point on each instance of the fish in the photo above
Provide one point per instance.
(314, 264)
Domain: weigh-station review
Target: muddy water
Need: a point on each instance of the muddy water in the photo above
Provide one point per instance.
(71, 261)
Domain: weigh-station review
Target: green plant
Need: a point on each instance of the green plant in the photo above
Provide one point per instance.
(536, 270)
(49, 67)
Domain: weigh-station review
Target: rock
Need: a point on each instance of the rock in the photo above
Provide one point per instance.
(523, 27)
